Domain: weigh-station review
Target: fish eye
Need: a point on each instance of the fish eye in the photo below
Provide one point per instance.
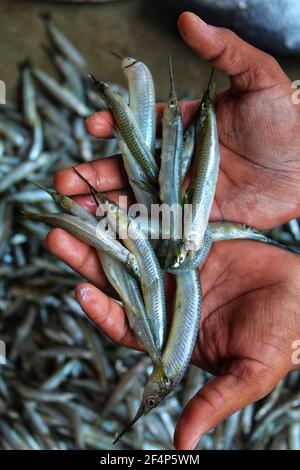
(181, 258)
(151, 403)
(112, 208)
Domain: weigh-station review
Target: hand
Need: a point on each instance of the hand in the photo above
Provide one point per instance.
(250, 316)
(259, 129)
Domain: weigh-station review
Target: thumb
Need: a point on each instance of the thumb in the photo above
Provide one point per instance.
(217, 400)
(106, 313)
(249, 68)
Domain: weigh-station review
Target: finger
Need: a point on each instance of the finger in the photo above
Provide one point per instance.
(101, 124)
(249, 68)
(78, 255)
(106, 313)
(219, 399)
(106, 175)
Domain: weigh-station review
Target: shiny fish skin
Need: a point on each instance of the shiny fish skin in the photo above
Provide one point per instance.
(187, 151)
(129, 130)
(38, 135)
(170, 168)
(141, 98)
(135, 175)
(129, 292)
(232, 231)
(197, 258)
(62, 94)
(71, 74)
(96, 238)
(62, 43)
(151, 276)
(29, 95)
(21, 172)
(122, 281)
(179, 348)
(10, 132)
(207, 159)
(185, 325)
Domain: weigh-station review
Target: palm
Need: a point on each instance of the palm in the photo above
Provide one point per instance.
(248, 316)
(260, 151)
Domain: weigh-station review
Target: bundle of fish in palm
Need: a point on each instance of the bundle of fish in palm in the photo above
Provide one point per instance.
(64, 384)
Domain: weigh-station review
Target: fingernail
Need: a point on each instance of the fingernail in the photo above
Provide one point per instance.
(84, 294)
(195, 442)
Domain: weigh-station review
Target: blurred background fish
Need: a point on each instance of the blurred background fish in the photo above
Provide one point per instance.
(65, 385)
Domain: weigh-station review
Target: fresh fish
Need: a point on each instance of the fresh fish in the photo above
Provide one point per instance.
(187, 152)
(29, 95)
(62, 94)
(151, 277)
(180, 345)
(133, 303)
(233, 231)
(170, 169)
(95, 237)
(129, 130)
(207, 159)
(62, 43)
(22, 171)
(141, 98)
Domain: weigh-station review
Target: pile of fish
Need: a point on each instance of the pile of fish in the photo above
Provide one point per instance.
(65, 385)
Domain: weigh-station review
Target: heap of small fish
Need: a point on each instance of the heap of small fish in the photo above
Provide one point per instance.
(65, 385)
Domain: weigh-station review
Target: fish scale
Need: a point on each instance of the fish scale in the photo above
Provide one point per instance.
(142, 98)
(185, 323)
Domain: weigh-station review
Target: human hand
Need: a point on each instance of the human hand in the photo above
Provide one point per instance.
(259, 129)
(250, 318)
(259, 189)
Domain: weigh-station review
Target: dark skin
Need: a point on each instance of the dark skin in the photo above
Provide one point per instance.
(251, 291)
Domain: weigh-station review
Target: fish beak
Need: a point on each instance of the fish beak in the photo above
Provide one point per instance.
(98, 85)
(116, 55)
(141, 412)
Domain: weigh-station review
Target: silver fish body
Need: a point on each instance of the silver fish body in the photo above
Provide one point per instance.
(187, 152)
(62, 94)
(207, 160)
(151, 276)
(141, 98)
(129, 292)
(94, 236)
(185, 325)
(180, 345)
(195, 259)
(129, 130)
(234, 231)
(63, 44)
